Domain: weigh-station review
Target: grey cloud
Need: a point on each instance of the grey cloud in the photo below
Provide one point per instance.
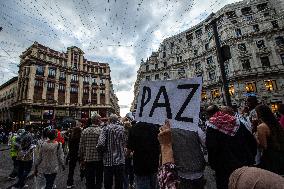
(93, 26)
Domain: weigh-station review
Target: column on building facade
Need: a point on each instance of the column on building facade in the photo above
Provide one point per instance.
(98, 93)
(45, 83)
(80, 89)
(69, 58)
(81, 57)
(56, 84)
(90, 94)
(67, 89)
(107, 95)
(31, 83)
(274, 60)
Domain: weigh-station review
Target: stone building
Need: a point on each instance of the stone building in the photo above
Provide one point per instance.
(7, 99)
(53, 85)
(254, 30)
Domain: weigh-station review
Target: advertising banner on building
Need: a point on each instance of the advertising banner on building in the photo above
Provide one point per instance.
(176, 100)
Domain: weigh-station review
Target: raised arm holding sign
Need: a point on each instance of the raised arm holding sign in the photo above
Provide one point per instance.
(176, 100)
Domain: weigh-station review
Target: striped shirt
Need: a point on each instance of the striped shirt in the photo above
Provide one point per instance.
(88, 142)
(113, 140)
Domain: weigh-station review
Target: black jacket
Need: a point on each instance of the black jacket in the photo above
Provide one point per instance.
(227, 153)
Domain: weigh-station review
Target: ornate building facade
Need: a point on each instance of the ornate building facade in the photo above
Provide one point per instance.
(254, 30)
(53, 85)
(7, 98)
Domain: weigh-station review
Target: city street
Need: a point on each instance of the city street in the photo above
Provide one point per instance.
(6, 167)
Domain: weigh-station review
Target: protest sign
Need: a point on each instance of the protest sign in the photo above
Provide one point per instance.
(176, 100)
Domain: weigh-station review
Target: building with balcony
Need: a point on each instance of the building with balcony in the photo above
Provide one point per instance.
(254, 30)
(7, 99)
(52, 85)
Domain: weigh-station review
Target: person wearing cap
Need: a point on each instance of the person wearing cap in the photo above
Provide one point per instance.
(112, 142)
(90, 157)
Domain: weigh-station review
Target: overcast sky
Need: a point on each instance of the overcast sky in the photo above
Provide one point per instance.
(119, 32)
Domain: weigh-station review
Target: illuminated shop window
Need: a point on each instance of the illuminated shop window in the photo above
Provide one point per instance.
(270, 85)
(250, 87)
(275, 106)
(203, 95)
(215, 93)
(231, 90)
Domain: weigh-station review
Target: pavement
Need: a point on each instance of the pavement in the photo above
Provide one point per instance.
(6, 166)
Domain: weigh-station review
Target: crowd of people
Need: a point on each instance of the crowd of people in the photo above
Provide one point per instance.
(244, 148)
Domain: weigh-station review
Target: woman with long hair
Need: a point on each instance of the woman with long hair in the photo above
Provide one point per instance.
(74, 141)
(270, 136)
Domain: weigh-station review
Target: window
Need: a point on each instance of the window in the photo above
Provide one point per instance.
(189, 36)
(38, 83)
(255, 28)
(246, 64)
(166, 76)
(94, 80)
(102, 81)
(270, 85)
(249, 18)
(74, 77)
(210, 60)
(172, 45)
(246, 11)
(266, 14)
(242, 47)
(164, 54)
(50, 85)
(275, 24)
(147, 78)
(156, 66)
(61, 87)
(198, 66)
(238, 32)
(75, 66)
(51, 72)
(74, 89)
(279, 41)
(206, 46)
(215, 93)
(261, 7)
(195, 52)
(180, 40)
(157, 77)
(231, 90)
(231, 14)
(147, 68)
(198, 33)
(94, 91)
(209, 34)
(179, 59)
(265, 61)
(39, 70)
(282, 58)
(86, 91)
(275, 106)
(260, 44)
(211, 75)
(250, 87)
(62, 75)
(165, 64)
(86, 79)
(203, 95)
